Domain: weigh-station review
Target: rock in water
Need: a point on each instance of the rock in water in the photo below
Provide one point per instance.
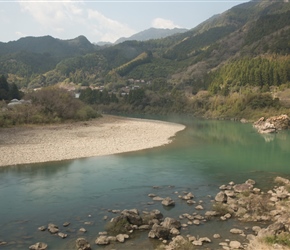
(272, 124)
(82, 244)
(38, 246)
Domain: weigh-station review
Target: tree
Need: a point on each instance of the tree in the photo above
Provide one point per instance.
(4, 88)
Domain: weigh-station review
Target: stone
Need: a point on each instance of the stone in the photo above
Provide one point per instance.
(191, 238)
(171, 223)
(42, 228)
(121, 237)
(66, 224)
(256, 229)
(157, 198)
(235, 244)
(156, 214)
(152, 195)
(2, 243)
(82, 244)
(112, 239)
(229, 193)
(102, 240)
(204, 239)
(62, 235)
(228, 215)
(52, 228)
(144, 227)
(199, 207)
(174, 231)
(244, 187)
(216, 236)
(236, 231)
(177, 242)
(38, 246)
(103, 233)
(196, 222)
(197, 243)
(250, 181)
(220, 197)
(159, 232)
(83, 230)
(133, 217)
(168, 202)
(282, 180)
(210, 213)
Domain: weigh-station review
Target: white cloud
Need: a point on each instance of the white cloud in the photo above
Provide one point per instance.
(161, 23)
(20, 34)
(108, 29)
(69, 19)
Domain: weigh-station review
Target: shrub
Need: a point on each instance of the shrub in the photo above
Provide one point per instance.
(281, 239)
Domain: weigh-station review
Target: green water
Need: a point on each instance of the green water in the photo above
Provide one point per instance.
(204, 156)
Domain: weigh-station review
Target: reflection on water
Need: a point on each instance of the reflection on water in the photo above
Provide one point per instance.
(201, 158)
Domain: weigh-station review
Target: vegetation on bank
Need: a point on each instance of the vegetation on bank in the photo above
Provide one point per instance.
(235, 65)
(47, 105)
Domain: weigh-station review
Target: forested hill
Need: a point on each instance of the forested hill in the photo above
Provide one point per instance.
(247, 45)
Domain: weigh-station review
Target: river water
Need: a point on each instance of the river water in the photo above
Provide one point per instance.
(204, 156)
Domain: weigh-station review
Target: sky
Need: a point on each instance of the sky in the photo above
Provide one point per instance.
(105, 20)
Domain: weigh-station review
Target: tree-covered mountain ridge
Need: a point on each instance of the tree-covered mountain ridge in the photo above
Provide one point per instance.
(246, 46)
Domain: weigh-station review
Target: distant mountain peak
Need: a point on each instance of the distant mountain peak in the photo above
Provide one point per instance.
(151, 33)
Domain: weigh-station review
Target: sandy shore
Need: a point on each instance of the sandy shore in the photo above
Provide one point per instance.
(103, 136)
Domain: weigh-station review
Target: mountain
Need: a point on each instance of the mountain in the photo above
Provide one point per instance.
(190, 60)
(49, 45)
(152, 33)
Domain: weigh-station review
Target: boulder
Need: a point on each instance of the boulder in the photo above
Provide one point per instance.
(159, 232)
(168, 202)
(66, 224)
(83, 230)
(220, 197)
(52, 228)
(174, 231)
(236, 231)
(244, 187)
(38, 246)
(156, 214)
(102, 240)
(272, 124)
(133, 217)
(42, 228)
(235, 244)
(199, 207)
(62, 235)
(209, 214)
(171, 223)
(121, 237)
(82, 244)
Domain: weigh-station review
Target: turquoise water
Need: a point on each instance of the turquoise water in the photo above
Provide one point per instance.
(204, 156)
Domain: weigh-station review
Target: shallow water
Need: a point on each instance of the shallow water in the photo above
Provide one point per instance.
(204, 156)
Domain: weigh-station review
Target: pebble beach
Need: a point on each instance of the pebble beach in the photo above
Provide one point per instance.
(103, 136)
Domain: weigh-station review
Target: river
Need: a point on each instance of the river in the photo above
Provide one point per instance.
(204, 156)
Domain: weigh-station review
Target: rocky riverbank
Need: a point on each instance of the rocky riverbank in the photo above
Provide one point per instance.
(268, 211)
(272, 124)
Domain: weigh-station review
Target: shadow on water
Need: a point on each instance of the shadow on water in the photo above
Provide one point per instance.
(204, 156)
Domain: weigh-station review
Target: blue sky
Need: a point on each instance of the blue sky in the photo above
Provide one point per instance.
(101, 20)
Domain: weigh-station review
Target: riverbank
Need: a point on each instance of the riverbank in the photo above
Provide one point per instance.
(103, 136)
